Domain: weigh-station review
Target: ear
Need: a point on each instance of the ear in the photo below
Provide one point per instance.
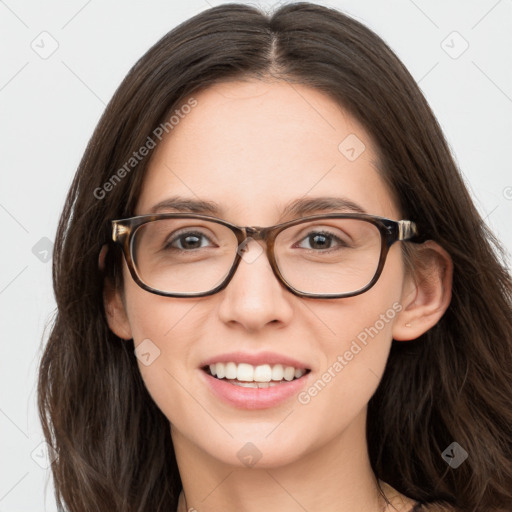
(426, 293)
(116, 312)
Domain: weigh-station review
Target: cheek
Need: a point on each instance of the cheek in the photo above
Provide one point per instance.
(164, 331)
(355, 359)
(370, 318)
(356, 344)
(155, 317)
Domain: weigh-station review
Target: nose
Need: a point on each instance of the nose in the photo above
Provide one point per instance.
(254, 297)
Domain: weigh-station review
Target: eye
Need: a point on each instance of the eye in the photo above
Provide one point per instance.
(188, 240)
(321, 240)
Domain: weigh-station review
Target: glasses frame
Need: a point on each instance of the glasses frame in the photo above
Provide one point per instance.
(391, 231)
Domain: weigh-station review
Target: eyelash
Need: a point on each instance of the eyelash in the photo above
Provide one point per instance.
(183, 235)
(326, 234)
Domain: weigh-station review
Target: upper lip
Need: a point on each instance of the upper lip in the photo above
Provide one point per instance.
(255, 359)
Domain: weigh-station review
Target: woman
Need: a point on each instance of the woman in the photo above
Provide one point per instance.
(354, 354)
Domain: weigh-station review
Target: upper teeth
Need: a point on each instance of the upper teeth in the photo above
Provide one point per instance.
(249, 373)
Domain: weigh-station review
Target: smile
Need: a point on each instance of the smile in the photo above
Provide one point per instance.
(249, 376)
(252, 381)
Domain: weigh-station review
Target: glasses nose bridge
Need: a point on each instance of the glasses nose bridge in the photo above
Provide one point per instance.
(257, 233)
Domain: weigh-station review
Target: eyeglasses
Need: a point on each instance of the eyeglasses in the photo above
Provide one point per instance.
(323, 256)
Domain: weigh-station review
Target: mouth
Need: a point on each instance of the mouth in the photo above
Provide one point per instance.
(249, 376)
(254, 380)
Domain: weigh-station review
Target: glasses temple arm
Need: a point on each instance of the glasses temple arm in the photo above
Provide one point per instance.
(407, 230)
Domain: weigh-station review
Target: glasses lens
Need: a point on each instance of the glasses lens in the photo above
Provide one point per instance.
(183, 255)
(329, 256)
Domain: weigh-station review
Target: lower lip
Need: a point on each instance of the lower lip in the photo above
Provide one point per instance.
(254, 398)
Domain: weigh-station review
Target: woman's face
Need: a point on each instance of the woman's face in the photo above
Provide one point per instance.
(252, 148)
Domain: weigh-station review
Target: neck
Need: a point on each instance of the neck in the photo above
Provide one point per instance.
(336, 476)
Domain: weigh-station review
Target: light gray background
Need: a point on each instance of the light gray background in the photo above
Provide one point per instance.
(50, 106)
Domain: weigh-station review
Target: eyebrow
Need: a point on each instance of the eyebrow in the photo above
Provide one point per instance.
(297, 208)
(305, 206)
(180, 204)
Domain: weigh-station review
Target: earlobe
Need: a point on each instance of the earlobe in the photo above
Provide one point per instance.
(426, 293)
(115, 311)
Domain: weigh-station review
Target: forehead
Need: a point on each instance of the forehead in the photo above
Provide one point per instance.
(253, 147)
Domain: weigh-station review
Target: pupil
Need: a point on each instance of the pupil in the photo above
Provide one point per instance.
(190, 241)
(318, 241)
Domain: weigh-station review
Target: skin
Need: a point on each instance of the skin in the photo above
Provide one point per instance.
(253, 146)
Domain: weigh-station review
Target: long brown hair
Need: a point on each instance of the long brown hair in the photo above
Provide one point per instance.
(453, 384)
